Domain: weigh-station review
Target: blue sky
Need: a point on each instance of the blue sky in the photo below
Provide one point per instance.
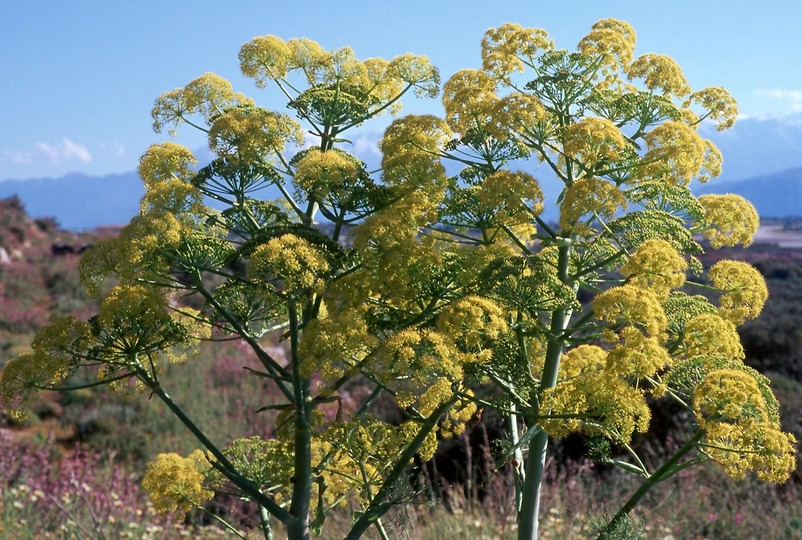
(79, 78)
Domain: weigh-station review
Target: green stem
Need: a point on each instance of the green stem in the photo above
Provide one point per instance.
(665, 470)
(536, 460)
(379, 505)
(265, 523)
(223, 464)
(298, 526)
(518, 469)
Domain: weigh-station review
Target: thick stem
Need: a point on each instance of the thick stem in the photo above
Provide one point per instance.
(665, 470)
(536, 460)
(267, 531)
(298, 526)
(518, 471)
(533, 479)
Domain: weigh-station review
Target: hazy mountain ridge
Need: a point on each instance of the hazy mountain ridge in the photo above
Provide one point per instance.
(754, 150)
(78, 201)
(775, 195)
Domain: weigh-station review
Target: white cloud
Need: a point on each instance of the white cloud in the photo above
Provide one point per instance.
(367, 144)
(792, 97)
(18, 157)
(115, 147)
(63, 151)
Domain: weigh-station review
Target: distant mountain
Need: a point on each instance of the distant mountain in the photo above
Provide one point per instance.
(752, 150)
(78, 201)
(758, 146)
(774, 195)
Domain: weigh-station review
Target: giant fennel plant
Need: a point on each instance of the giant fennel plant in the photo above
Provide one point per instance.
(440, 288)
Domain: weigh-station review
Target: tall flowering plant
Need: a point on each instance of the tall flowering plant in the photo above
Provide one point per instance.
(620, 135)
(443, 292)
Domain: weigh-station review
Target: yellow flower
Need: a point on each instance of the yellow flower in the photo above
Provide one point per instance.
(729, 220)
(719, 105)
(137, 252)
(660, 72)
(743, 433)
(175, 483)
(335, 344)
(382, 83)
(265, 58)
(472, 321)
(396, 226)
(23, 377)
(435, 395)
(208, 96)
(593, 142)
(511, 197)
(518, 113)
(137, 321)
(596, 403)
(589, 196)
(751, 446)
(728, 395)
(656, 265)
(469, 97)
(308, 57)
(677, 154)
(320, 172)
(744, 290)
(632, 305)
(637, 355)
(165, 162)
(410, 430)
(507, 48)
(568, 401)
(417, 71)
(341, 66)
(612, 40)
(710, 336)
(582, 359)
(410, 149)
(299, 264)
(409, 360)
(252, 133)
(174, 197)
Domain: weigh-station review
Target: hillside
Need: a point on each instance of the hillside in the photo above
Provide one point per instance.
(38, 273)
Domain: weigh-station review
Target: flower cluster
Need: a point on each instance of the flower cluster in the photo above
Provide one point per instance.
(594, 399)
(744, 290)
(294, 260)
(656, 266)
(510, 47)
(628, 304)
(207, 96)
(660, 72)
(594, 142)
(374, 82)
(175, 483)
(593, 197)
(729, 220)
(613, 41)
(710, 336)
(251, 133)
(469, 97)
(742, 432)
